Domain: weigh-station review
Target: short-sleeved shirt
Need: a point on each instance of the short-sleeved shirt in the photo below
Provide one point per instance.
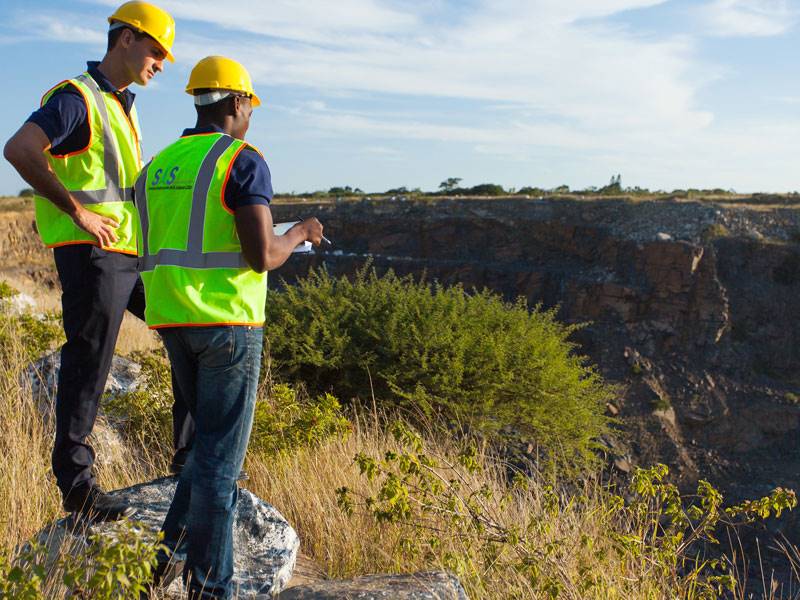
(250, 182)
(64, 117)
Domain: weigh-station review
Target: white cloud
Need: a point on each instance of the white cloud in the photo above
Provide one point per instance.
(749, 18)
(540, 55)
(61, 27)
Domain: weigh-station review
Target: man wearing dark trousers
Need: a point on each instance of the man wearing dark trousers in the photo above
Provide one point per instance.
(80, 152)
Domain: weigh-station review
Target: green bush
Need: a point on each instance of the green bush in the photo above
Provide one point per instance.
(287, 419)
(473, 360)
(715, 231)
(115, 565)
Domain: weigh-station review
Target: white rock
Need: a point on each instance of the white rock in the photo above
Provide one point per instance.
(19, 304)
(124, 377)
(265, 546)
(663, 237)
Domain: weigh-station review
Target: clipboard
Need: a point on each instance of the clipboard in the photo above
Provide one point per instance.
(281, 228)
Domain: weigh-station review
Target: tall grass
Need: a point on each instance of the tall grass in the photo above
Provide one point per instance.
(29, 498)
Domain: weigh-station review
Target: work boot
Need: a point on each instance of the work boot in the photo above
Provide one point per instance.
(92, 503)
(164, 574)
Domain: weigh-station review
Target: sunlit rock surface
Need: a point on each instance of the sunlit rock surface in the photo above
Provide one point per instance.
(265, 545)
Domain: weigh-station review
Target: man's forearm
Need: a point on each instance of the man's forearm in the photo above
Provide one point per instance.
(262, 249)
(281, 246)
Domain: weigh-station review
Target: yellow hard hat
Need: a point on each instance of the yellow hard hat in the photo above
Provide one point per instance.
(220, 73)
(150, 19)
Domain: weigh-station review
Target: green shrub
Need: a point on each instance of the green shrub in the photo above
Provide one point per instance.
(715, 232)
(6, 290)
(115, 565)
(287, 419)
(436, 508)
(473, 360)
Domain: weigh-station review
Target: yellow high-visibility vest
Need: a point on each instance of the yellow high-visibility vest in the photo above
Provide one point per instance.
(190, 257)
(100, 176)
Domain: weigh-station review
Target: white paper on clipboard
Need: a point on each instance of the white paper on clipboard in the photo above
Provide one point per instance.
(281, 228)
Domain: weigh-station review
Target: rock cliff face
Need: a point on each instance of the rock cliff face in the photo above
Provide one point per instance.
(693, 308)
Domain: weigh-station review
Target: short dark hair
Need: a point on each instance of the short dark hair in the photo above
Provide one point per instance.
(113, 36)
(218, 109)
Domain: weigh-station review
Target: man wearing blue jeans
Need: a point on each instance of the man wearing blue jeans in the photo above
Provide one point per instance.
(206, 242)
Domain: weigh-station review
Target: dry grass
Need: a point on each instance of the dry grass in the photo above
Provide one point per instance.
(29, 498)
(133, 335)
(302, 487)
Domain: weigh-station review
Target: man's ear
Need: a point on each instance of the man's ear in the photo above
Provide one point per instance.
(238, 105)
(126, 38)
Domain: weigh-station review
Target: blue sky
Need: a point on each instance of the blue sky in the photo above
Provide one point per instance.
(386, 93)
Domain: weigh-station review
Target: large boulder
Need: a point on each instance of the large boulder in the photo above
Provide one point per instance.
(125, 376)
(265, 545)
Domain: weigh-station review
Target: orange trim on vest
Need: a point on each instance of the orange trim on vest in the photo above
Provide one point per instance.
(88, 119)
(227, 175)
(133, 128)
(168, 325)
(97, 244)
(199, 134)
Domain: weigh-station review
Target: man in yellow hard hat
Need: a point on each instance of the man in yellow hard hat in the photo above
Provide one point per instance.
(80, 152)
(206, 243)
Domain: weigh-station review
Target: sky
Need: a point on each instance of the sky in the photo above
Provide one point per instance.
(379, 94)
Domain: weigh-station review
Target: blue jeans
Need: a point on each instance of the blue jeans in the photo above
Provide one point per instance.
(216, 369)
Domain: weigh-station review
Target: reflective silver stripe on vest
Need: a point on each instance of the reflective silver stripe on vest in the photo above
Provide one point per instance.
(140, 187)
(193, 257)
(112, 191)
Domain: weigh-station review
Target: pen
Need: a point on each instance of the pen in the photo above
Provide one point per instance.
(324, 239)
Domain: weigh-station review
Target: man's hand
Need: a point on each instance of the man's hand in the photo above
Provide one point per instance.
(99, 226)
(312, 229)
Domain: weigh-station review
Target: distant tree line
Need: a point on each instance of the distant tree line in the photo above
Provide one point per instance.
(452, 187)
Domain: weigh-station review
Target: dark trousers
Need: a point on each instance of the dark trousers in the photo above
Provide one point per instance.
(97, 288)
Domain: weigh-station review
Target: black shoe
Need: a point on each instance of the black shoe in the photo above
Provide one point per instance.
(178, 461)
(165, 573)
(176, 467)
(94, 504)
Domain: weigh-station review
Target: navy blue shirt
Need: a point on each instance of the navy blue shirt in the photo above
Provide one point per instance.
(64, 118)
(249, 182)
